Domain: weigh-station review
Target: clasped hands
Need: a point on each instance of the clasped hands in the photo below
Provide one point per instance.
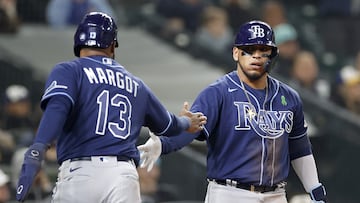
(151, 150)
(197, 120)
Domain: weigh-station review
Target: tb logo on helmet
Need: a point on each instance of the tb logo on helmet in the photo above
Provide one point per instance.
(256, 31)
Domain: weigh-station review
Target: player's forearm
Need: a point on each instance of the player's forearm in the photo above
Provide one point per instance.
(177, 125)
(183, 122)
(171, 144)
(306, 170)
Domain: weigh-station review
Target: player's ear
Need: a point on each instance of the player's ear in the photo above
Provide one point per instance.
(236, 53)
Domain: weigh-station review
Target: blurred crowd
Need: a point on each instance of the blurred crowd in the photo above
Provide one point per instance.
(210, 24)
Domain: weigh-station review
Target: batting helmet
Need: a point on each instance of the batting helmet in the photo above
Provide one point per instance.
(256, 33)
(95, 30)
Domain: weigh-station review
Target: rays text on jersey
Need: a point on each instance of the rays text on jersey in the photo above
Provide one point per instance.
(111, 77)
(266, 123)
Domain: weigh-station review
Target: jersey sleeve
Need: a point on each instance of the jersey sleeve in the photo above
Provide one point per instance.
(53, 119)
(299, 143)
(160, 121)
(171, 144)
(209, 103)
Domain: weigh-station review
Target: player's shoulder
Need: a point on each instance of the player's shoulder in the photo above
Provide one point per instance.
(65, 67)
(224, 81)
(217, 89)
(282, 87)
(67, 64)
(218, 85)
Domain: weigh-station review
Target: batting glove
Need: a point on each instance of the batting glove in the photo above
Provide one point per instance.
(150, 151)
(32, 164)
(318, 194)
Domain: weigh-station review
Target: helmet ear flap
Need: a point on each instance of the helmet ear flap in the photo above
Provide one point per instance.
(271, 63)
(272, 59)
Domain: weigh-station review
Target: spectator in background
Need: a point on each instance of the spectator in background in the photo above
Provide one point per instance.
(348, 88)
(7, 147)
(345, 76)
(214, 33)
(5, 194)
(9, 20)
(305, 74)
(180, 15)
(286, 37)
(273, 13)
(150, 188)
(238, 11)
(17, 116)
(344, 17)
(287, 41)
(62, 13)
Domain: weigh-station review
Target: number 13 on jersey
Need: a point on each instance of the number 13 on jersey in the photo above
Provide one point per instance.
(121, 128)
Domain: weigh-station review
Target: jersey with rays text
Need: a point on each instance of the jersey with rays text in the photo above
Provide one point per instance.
(251, 134)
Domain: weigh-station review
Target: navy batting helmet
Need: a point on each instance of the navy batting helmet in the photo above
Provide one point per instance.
(256, 33)
(95, 30)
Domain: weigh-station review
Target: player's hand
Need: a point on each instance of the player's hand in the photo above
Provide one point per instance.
(32, 164)
(198, 120)
(150, 151)
(318, 195)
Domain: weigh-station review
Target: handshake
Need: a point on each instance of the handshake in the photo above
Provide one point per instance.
(151, 150)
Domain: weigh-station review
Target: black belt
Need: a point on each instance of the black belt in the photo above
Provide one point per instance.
(88, 158)
(253, 188)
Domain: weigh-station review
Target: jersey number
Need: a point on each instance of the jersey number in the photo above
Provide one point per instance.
(121, 128)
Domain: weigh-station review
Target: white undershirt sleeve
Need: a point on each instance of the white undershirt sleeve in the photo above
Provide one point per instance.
(306, 170)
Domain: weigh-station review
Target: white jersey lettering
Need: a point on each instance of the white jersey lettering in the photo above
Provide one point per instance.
(113, 78)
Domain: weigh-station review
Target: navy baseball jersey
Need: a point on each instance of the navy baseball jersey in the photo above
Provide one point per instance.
(248, 141)
(109, 106)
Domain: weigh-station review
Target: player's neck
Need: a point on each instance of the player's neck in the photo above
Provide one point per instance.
(85, 52)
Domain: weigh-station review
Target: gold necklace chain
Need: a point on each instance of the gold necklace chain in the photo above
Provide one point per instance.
(252, 111)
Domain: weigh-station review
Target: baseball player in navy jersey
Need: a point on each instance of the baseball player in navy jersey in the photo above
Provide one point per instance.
(94, 109)
(255, 128)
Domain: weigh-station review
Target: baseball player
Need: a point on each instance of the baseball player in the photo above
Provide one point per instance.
(255, 128)
(94, 109)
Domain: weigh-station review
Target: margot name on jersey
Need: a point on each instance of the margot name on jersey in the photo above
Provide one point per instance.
(111, 77)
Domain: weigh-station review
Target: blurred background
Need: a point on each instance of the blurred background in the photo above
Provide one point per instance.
(178, 47)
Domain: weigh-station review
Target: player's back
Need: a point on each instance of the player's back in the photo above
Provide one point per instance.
(109, 107)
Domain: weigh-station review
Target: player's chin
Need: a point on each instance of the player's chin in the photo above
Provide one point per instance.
(255, 75)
